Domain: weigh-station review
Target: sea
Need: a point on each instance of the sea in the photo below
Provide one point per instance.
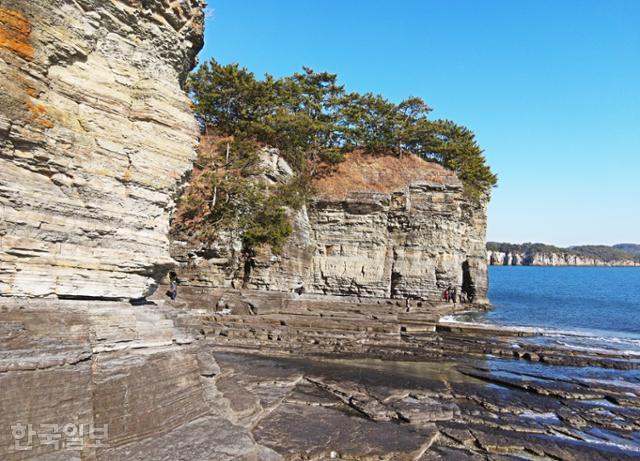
(581, 307)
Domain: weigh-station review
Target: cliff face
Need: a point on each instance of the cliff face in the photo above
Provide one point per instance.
(378, 227)
(95, 136)
(514, 258)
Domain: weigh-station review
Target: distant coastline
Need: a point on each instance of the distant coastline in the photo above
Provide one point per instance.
(540, 254)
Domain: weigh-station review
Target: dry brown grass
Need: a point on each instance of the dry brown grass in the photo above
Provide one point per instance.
(193, 206)
(359, 172)
(364, 172)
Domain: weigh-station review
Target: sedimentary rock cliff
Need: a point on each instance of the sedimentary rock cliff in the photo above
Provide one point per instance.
(95, 137)
(379, 226)
(516, 258)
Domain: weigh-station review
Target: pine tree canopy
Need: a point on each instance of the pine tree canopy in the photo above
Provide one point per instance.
(311, 119)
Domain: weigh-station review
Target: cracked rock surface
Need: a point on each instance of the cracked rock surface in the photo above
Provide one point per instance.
(96, 135)
(372, 409)
(167, 391)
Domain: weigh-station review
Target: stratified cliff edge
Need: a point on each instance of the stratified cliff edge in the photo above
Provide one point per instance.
(95, 137)
(379, 226)
(538, 254)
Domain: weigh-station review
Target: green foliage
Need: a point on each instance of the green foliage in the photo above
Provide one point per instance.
(628, 247)
(601, 252)
(311, 119)
(268, 225)
(225, 195)
(229, 97)
(456, 148)
(295, 192)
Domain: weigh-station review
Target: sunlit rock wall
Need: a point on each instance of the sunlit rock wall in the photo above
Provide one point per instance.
(405, 230)
(96, 135)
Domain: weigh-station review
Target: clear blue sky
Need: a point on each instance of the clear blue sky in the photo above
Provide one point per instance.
(550, 87)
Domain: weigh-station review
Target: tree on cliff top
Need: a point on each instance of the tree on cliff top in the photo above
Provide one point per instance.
(312, 120)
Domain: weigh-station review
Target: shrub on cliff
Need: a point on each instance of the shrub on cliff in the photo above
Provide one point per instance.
(224, 195)
(313, 120)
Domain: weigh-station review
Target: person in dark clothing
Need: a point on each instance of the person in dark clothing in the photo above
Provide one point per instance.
(450, 294)
(173, 285)
(454, 295)
(173, 289)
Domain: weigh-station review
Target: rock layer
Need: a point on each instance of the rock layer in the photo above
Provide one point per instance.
(157, 376)
(379, 232)
(95, 136)
(144, 384)
(513, 258)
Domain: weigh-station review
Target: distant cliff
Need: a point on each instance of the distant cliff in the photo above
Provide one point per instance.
(539, 254)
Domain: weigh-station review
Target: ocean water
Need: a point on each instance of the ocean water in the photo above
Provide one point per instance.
(591, 300)
(589, 308)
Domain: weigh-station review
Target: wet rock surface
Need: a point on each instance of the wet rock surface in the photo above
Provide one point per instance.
(374, 409)
(531, 345)
(170, 389)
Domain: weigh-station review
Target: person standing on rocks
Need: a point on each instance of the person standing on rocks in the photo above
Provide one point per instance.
(454, 295)
(173, 286)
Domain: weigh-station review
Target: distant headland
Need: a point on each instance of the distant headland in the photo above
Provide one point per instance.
(540, 254)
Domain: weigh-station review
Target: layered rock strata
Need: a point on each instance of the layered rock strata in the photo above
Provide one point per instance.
(110, 381)
(283, 322)
(379, 227)
(276, 322)
(421, 411)
(513, 258)
(95, 136)
(156, 377)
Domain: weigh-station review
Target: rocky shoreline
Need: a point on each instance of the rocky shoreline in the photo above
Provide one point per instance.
(533, 345)
(372, 409)
(272, 376)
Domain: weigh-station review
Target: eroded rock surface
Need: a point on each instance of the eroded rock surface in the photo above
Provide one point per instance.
(370, 409)
(169, 382)
(95, 136)
(125, 369)
(379, 227)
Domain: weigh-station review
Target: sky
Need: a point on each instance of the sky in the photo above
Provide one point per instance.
(551, 88)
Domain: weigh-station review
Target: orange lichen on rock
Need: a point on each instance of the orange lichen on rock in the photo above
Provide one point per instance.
(37, 113)
(14, 33)
(362, 172)
(44, 122)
